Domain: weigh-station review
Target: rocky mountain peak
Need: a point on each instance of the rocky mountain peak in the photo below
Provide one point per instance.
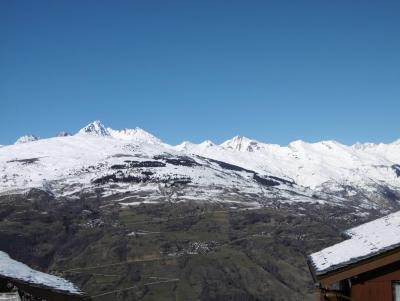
(96, 128)
(241, 143)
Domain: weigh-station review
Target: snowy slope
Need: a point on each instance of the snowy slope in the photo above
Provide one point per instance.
(97, 157)
(309, 164)
(133, 135)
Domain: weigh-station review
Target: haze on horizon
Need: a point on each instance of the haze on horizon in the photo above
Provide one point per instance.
(272, 71)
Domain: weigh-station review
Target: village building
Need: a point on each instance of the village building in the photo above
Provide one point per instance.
(18, 282)
(364, 267)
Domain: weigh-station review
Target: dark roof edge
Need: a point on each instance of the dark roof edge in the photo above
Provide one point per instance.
(312, 269)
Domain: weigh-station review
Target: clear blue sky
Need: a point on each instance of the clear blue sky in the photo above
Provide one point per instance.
(275, 71)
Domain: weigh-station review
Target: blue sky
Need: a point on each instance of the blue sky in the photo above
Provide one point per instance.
(275, 71)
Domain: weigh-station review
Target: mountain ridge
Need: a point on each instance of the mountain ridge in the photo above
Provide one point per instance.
(97, 126)
(97, 156)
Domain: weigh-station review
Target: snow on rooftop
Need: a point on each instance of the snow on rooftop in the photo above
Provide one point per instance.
(365, 241)
(9, 296)
(17, 270)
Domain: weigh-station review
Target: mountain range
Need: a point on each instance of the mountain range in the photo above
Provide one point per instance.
(243, 171)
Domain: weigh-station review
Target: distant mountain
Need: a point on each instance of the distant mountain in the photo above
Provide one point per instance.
(242, 144)
(27, 138)
(136, 134)
(63, 134)
(96, 128)
(309, 164)
(115, 161)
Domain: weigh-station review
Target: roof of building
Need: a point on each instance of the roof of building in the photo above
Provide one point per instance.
(365, 241)
(13, 269)
(9, 297)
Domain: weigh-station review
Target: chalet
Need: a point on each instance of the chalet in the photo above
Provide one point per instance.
(18, 282)
(364, 267)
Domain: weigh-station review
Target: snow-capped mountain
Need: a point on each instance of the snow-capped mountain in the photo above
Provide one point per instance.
(95, 128)
(136, 134)
(242, 144)
(309, 164)
(123, 161)
(26, 138)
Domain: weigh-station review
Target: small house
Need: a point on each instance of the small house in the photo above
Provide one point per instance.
(18, 282)
(364, 267)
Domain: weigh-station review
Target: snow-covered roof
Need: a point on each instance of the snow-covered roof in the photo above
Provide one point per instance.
(9, 297)
(365, 241)
(11, 268)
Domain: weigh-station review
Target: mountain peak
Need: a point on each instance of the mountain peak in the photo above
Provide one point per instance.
(96, 128)
(136, 134)
(207, 143)
(241, 143)
(297, 144)
(26, 138)
(189, 146)
(184, 144)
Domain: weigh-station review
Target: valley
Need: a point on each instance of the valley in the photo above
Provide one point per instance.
(127, 217)
(172, 251)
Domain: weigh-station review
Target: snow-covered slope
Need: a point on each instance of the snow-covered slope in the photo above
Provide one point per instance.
(133, 160)
(136, 134)
(309, 164)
